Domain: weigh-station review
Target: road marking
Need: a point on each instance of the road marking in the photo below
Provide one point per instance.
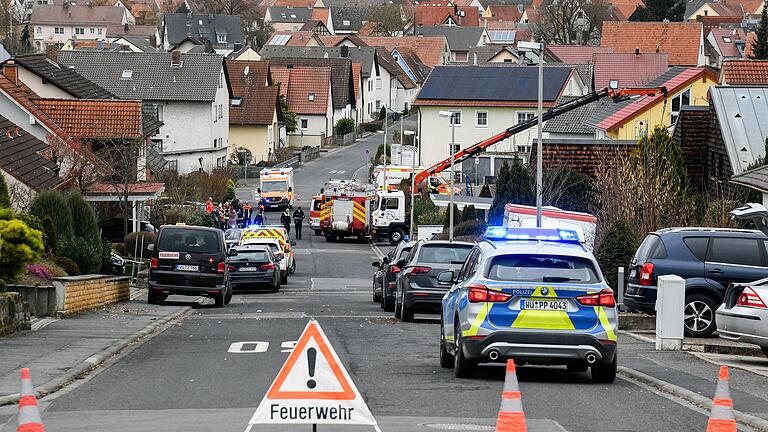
(239, 347)
(376, 249)
(283, 315)
(41, 323)
(337, 172)
(287, 346)
(354, 176)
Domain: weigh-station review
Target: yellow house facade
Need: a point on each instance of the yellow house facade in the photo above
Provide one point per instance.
(634, 119)
(258, 139)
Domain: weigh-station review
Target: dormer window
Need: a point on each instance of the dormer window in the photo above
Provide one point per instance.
(727, 39)
(311, 97)
(236, 101)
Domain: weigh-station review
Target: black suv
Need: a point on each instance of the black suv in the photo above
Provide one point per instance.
(708, 259)
(189, 260)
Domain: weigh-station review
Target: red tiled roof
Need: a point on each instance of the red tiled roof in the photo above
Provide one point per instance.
(712, 22)
(728, 49)
(301, 81)
(681, 40)
(293, 3)
(744, 72)
(752, 7)
(575, 54)
(642, 103)
(95, 118)
(505, 12)
(429, 48)
(623, 11)
(131, 188)
(320, 14)
(356, 72)
(428, 16)
(259, 101)
(500, 25)
(628, 69)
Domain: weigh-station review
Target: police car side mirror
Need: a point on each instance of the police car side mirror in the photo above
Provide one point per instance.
(151, 247)
(376, 264)
(446, 277)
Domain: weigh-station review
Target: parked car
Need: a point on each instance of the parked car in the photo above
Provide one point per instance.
(389, 280)
(531, 300)
(378, 275)
(189, 260)
(253, 266)
(285, 262)
(232, 237)
(709, 259)
(417, 286)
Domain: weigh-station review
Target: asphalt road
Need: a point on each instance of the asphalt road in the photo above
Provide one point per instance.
(186, 380)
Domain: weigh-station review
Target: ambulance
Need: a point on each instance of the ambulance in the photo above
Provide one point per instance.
(276, 188)
(277, 237)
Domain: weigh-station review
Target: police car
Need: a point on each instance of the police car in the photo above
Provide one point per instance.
(535, 295)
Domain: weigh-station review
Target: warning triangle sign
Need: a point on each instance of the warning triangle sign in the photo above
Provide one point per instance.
(313, 387)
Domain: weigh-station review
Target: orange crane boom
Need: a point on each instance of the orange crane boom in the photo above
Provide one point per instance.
(617, 95)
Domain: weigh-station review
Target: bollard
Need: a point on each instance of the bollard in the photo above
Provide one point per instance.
(670, 306)
(620, 288)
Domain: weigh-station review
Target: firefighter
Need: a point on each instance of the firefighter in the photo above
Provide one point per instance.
(246, 213)
(298, 219)
(285, 220)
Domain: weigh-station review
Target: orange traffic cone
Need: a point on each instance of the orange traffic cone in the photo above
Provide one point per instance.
(511, 417)
(29, 414)
(721, 419)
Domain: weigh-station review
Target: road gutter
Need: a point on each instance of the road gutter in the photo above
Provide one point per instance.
(96, 360)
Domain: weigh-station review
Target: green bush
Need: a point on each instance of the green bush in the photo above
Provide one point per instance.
(230, 190)
(31, 220)
(21, 245)
(345, 126)
(50, 239)
(430, 218)
(53, 204)
(469, 214)
(485, 192)
(456, 216)
(616, 250)
(469, 228)
(380, 152)
(84, 223)
(372, 126)
(67, 264)
(86, 253)
(132, 239)
(106, 256)
(5, 197)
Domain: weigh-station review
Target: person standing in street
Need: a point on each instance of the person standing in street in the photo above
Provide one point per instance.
(298, 219)
(285, 220)
(247, 214)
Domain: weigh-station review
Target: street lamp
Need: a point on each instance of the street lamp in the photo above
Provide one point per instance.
(452, 120)
(538, 48)
(413, 176)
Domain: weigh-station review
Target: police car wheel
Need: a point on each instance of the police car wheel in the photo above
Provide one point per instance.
(284, 277)
(446, 359)
(604, 373)
(462, 367)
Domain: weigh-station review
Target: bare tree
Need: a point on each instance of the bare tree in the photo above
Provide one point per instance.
(570, 21)
(73, 164)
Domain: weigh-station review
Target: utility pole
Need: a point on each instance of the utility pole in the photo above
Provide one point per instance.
(539, 148)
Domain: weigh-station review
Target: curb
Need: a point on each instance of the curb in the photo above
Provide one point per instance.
(93, 361)
(753, 422)
(752, 351)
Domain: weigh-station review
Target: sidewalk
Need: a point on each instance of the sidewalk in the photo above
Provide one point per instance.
(697, 373)
(68, 348)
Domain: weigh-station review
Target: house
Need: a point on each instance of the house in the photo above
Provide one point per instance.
(148, 32)
(428, 15)
(724, 44)
(255, 115)
(297, 39)
(54, 25)
(349, 19)
(224, 32)
(431, 50)
(460, 39)
(324, 17)
(139, 11)
(47, 78)
(574, 54)
(315, 27)
(487, 100)
(308, 92)
(627, 69)
(402, 90)
(683, 41)
(136, 44)
(698, 10)
(635, 118)
(624, 10)
(744, 73)
(244, 53)
(491, 54)
(501, 36)
(287, 18)
(191, 92)
(411, 64)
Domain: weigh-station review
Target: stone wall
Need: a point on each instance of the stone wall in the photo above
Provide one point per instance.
(40, 299)
(81, 293)
(14, 315)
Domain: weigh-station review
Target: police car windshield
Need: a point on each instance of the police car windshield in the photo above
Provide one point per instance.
(542, 268)
(246, 255)
(189, 240)
(444, 254)
(274, 186)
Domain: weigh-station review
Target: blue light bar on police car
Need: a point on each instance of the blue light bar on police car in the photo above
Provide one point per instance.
(538, 234)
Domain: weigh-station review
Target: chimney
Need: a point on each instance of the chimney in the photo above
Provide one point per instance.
(125, 27)
(637, 51)
(175, 59)
(208, 46)
(90, 4)
(11, 71)
(65, 5)
(52, 52)
(474, 58)
(343, 51)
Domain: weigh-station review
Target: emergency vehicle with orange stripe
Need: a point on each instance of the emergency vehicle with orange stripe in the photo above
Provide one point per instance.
(276, 188)
(534, 295)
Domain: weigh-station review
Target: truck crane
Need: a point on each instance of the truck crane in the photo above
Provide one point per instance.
(617, 94)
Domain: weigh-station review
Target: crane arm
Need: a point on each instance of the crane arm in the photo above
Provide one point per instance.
(617, 95)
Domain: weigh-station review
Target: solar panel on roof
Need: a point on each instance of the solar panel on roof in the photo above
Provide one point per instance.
(280, 39)
(502, 35)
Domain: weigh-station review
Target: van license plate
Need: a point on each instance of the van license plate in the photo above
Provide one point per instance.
(184, 267)
(553, 305)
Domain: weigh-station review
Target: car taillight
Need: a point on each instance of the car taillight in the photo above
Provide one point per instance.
(419, 269)
(395, 269)
(749, 298)
(481, 294)
(646, 274)
(267, 266)
(153, 263)
(220, 267)
(603, 298)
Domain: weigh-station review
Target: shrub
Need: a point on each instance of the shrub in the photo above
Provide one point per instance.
(456, 217)
(469, 213)
(21, 245)
(49, 235)
(85, 253)
(430, 218)
(67, 264)
(470, 228)
(31, 220)
(616, 250)
(132, 239)
(345, 126)
(53, 269)
(39, 271)
(106, 256)
(5, 196)
(52, 204)
(230, 190)
(84, 222)
(380, 152)
(485, 192)
(372, 126)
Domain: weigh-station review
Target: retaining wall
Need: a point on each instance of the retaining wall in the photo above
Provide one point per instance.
(80, 293)
(41, 300)
(14, 315)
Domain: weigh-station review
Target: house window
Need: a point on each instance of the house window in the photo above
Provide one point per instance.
(79, 30)
(524, 117)
(304, 124)
(99, 31)
(460, 56)
(507, 60)
(39, 30)
(378, 105)
(455, 118)
(481, 118)
(455, 148)
(727, 39)
(221, 80)
(221, 110)
(92, 30)
(172, 166)
(378, 83)
(127, 75)
(678, 102)
(311, 97)
(58, 30)
(221, 38)
(160, 112)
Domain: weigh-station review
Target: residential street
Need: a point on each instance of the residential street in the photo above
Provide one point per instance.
(184, 379)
